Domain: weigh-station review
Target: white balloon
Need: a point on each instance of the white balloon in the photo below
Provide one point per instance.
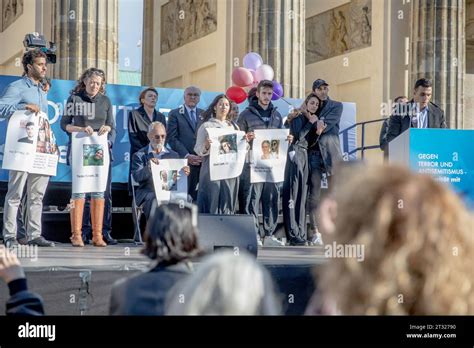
(264, 72)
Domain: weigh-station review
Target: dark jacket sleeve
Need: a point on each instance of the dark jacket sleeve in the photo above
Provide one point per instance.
(298, 130)
(22, 301)
(443, 120)
(242, 122)
(333, 117)
(173, 134)
(133, 132)
(394, 127)
(66, 119)
(110, 121)
(383, 135)
(140, 170)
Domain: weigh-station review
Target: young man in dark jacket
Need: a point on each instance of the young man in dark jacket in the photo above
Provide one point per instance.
(260, 114)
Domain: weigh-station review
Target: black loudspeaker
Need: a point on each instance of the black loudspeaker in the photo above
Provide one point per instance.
(227, 231)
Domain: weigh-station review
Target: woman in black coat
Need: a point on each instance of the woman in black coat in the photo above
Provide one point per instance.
(305, 128)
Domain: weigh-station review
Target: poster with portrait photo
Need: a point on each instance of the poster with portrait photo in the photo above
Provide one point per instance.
(269, 155)
(227, 153)
(90, 162)
(169, 179)
(26, 133)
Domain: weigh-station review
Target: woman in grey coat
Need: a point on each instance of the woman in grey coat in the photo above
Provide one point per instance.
(220, 196)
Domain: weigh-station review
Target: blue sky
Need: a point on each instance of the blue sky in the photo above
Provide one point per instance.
(130, 34)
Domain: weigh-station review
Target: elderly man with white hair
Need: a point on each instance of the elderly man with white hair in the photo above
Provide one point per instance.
(141, 165)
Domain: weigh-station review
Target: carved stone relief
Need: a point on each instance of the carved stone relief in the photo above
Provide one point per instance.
(11, 10)
(183, 21)
(339, 30)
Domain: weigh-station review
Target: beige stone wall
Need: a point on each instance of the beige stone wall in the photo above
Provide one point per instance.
(368, 76)
(206, 62)
(36, 17)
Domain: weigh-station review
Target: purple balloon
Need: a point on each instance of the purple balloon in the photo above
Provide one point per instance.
(252, 60)
(277, 91)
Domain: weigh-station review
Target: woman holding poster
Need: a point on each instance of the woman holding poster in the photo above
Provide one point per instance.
(220, 196)
(88, 110)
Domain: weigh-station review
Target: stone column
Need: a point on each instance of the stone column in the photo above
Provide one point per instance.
(438, 53)
(276, 30)
(148, 47)
(86, 33)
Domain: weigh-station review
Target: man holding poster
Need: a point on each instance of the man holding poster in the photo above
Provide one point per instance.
(26, 94)
(142, 167)
(261, 114)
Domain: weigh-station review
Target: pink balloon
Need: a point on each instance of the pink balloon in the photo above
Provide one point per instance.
(242, 77)
(264, 72)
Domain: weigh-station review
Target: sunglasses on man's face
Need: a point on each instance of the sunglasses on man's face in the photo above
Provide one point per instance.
(159, 136)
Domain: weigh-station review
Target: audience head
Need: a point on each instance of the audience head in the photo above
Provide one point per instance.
(321, 89)
(417, 240)
(192, 96)
(423, 92)
(226, 284)
(171, 233)
(148, 97)
(252, 93)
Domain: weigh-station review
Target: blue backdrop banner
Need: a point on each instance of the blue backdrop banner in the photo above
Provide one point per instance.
(124, 99)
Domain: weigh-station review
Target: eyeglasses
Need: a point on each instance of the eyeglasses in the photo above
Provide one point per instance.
(193, 94)
(159, 136)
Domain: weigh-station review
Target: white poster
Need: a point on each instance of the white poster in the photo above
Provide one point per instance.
(269, 152)
(30, 145)
(90, 162)
(169, 179)
(227, 153)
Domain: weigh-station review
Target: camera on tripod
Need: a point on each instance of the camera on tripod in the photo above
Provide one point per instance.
(35, 40)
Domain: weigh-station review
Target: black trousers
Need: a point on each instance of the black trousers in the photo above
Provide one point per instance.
(295, 191)
(316, 171)
(193, 181)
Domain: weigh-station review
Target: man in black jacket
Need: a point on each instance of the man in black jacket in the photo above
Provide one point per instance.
(182, 128)
(325, 152)
(419, 113)
(260, 114)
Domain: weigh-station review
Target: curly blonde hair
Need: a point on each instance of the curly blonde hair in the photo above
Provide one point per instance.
(419, 247)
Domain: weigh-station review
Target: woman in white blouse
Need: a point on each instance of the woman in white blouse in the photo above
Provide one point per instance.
(215, 197)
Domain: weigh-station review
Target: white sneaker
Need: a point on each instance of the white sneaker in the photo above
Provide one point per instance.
(317, 239)
(259, 241)
(272, 241)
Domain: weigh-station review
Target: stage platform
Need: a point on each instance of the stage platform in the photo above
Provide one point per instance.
(77, 281)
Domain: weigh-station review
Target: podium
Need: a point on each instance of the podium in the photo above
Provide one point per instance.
(447, 154)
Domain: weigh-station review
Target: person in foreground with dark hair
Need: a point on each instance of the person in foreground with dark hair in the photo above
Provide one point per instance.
(419, 113)
(21, 301)
(171, 241)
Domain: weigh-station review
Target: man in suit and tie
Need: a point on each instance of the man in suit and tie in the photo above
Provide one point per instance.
(182, 128)
(419, 112)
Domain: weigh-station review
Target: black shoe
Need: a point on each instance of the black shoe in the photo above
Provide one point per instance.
(108, 238)
(10, 242)
(40, 241)
(298, 242)
(23, 241)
